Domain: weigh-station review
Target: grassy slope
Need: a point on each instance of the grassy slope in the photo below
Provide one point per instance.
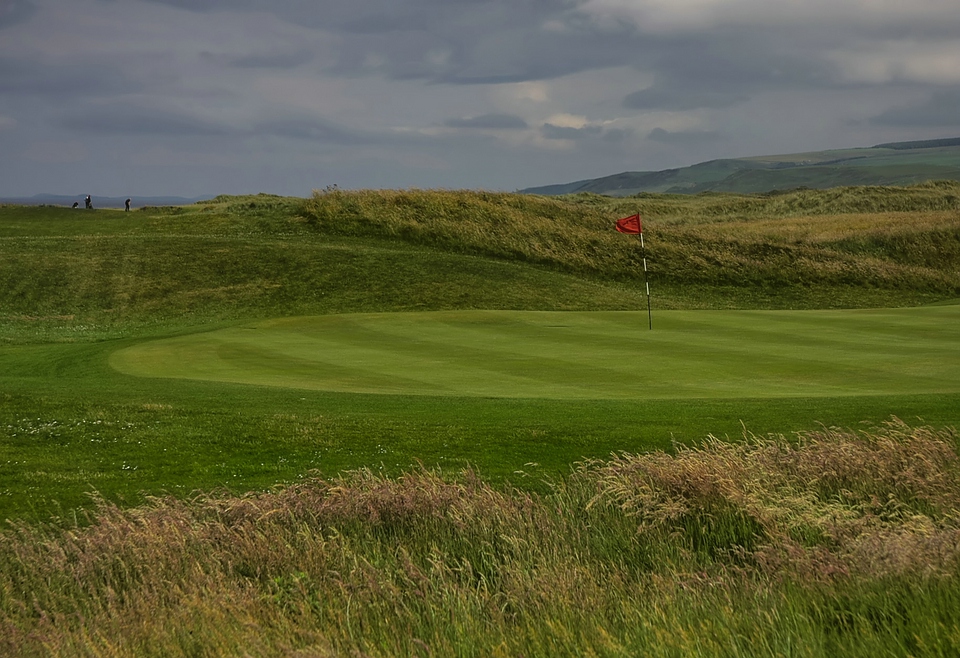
(833, 545)
(76, 286)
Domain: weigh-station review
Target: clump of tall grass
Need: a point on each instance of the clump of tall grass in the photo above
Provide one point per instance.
(832, 543)
(831, 502)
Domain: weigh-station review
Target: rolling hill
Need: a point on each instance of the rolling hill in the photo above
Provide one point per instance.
(897, 163)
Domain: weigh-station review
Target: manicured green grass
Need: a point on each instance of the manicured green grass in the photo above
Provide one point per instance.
(577, 355)
(71, 425)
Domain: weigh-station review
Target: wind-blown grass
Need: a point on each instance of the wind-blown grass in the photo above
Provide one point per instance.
(797, 249)
(833, 543)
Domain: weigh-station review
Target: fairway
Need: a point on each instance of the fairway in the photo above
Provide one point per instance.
(577, 355)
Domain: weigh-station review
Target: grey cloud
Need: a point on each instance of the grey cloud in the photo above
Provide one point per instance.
(445, 41)
(23, 77)
(615, 135)
(273, 60)
(682, 137)
(551, 131)
(15, 11)
(128, 119)
(311, 129)
(132, 120)
(942, 109)
(489, 121)
(691, 98)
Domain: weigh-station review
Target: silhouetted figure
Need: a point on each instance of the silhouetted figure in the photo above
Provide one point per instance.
(76, 204)
(126, 205)
(88, 203)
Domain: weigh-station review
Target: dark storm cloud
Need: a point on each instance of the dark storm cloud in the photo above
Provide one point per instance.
(488, 121)
(942, 109)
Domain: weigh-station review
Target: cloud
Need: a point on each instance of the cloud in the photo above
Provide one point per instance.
(20, 76)
(677, 16)
(275, 93)
(13, 12)
(131, 119)
(56, 152)
(553, 131)
(909, 59)
(311, 129)
(491, 121)
(941, 109)
(659, 98)
(126, 119)
(682, 137)
(277, 59)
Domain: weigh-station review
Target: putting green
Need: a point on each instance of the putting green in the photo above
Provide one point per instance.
(577, 355)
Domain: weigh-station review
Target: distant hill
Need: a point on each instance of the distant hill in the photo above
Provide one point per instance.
(101, 201)
(897, 163)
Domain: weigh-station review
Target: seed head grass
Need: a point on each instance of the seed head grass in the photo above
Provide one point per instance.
(831, 542)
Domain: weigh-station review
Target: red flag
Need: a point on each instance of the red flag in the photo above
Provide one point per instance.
(631, 224)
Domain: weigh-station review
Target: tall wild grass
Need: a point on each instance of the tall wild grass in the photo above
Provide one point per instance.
(894, 239)
(829, 543)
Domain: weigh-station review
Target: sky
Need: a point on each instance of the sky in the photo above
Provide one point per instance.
(205, 97)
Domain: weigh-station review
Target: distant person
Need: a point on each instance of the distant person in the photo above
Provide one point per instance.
(76, 204)
(126, 205)
(88, 202)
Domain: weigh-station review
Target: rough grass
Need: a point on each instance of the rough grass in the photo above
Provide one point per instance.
(830, 543)
(796, 249)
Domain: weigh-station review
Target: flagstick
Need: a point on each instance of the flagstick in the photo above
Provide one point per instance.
(643, 252)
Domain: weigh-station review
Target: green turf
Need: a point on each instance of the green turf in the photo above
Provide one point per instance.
(577, 355)
(80, 290)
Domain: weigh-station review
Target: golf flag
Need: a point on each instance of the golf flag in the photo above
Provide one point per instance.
(634, 226)
(631, 224)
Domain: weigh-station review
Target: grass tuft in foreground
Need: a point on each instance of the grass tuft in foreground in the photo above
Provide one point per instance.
(836, 543)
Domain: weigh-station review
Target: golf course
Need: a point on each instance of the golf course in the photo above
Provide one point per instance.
(575, 354)
(447, 423)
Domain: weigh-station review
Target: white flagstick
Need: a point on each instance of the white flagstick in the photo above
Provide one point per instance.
(643, 252)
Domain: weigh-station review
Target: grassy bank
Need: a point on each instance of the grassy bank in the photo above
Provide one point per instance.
(853, 247)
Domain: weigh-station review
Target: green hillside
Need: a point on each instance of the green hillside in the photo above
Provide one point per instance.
(437, 423)
(901, 163)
